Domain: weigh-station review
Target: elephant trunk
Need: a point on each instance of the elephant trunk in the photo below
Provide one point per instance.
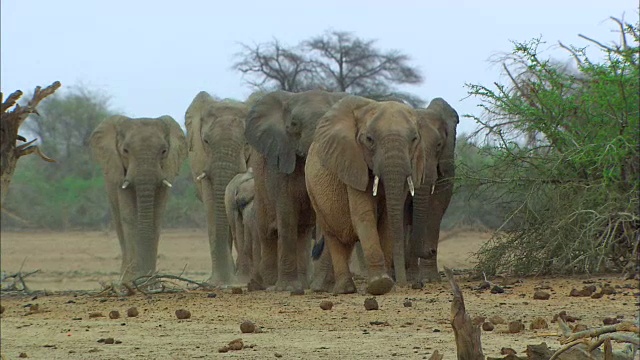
(226, 163)
(396, 169)
(420, 218)
(147, 239)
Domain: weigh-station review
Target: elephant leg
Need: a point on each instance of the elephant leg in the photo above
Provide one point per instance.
(303, 253)
(287, 223)
(323, 276)
(340, 260)
(222, 266)
(265, 268)
(364, 220)
(243, 260)
(358, 262)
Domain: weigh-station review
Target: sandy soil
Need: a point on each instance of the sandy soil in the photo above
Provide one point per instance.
(293, 327)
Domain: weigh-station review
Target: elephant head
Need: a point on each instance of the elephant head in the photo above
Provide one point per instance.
(389, 143)
(217, 151)
(140, 158)
(281, 125)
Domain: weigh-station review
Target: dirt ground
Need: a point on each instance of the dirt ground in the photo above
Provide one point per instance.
(293, 327)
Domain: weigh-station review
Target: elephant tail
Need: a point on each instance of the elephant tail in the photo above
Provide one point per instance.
(317, 249)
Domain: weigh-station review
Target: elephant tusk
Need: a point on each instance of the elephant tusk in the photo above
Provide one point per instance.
(412, 190)
(167, 183)
(376, 180)
(433, 188)
(125, 184)
(201, 176)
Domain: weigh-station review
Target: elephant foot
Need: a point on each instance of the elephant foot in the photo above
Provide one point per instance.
(253, 285)
(269, 278)
(284, 285)
(379, 285)
(431, 275)
(345, 286)
(321, 285)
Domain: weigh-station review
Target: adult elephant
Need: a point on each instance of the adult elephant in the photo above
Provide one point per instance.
(366, 158)
(280, 128)
(238, 202)
(139, 158)
(430, 205)
(217, 152)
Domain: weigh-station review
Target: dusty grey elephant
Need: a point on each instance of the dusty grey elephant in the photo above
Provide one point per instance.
(365, 160)
(217, 152)
(430, 206)
(139, 158)
(241, 216)
(280, 128)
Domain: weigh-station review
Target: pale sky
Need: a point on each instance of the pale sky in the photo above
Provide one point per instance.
(153, 57)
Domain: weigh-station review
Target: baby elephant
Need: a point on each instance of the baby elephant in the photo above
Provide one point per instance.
(241, 215)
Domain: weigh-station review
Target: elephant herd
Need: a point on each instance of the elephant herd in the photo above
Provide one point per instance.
(284, 172)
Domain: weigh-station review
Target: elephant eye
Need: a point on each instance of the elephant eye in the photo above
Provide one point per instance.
(206, 141)
(164, 151)
(126, 151)
(369, 139)
(415, 139)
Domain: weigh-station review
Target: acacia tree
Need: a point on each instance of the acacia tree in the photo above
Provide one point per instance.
(573, 192)
(13, 116)
(334, 61)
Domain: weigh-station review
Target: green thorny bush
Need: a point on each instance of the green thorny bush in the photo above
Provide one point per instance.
(565, 165)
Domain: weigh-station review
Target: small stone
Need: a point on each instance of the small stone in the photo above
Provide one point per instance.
(597, 295)
(538, 323)
(574, 292)
(236, 344)
(516, 326)
(497, 320)
(247, 327)
(183, 314)
(326, 305)
(589, 288)
(610, 321)
(371, 304)
(478, 320)
(487, 326)
(278, 355)
(608, 290)
(507, 351)
(23, 355)
(132, 312)
(296, 292)
(580, 327)
(109, 340)
(436, 330)
(236, 291)
(95, 314)
(118, 342)
(223, 349)
(407, 303)
(417, 285)
(541, 295)
(497, 290)
(115, 314)
(212, 295)
(77, 318)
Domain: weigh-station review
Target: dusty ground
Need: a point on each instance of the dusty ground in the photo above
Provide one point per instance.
(294, 327)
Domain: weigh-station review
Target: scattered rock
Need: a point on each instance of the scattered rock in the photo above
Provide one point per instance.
(407, 303)
(95, 314)
(541, 295)
(610, 321)
(326, 305)
(223, 349)
(585, 292)
(132, 312)
(278, 355)
(538, 323)
(236, 344)
(580, 327)
(115, 314)
(183, 314)
(247, 327)
(497, 289)
(109, 340)
(212, 295)
(487, 326)
(236, 290)
(597, 295)
(507, 351)
(23, 355)
(417, 285)
(516, 326)
(497, 320)
(608, 290)
(371, 304)
(563, 315)
(478, 320)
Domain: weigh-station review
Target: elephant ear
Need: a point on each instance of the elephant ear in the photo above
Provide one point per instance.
(265, 131)
(442, 116)
(104, 147)
(177, 146)
(193, 118)
(336, 141)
